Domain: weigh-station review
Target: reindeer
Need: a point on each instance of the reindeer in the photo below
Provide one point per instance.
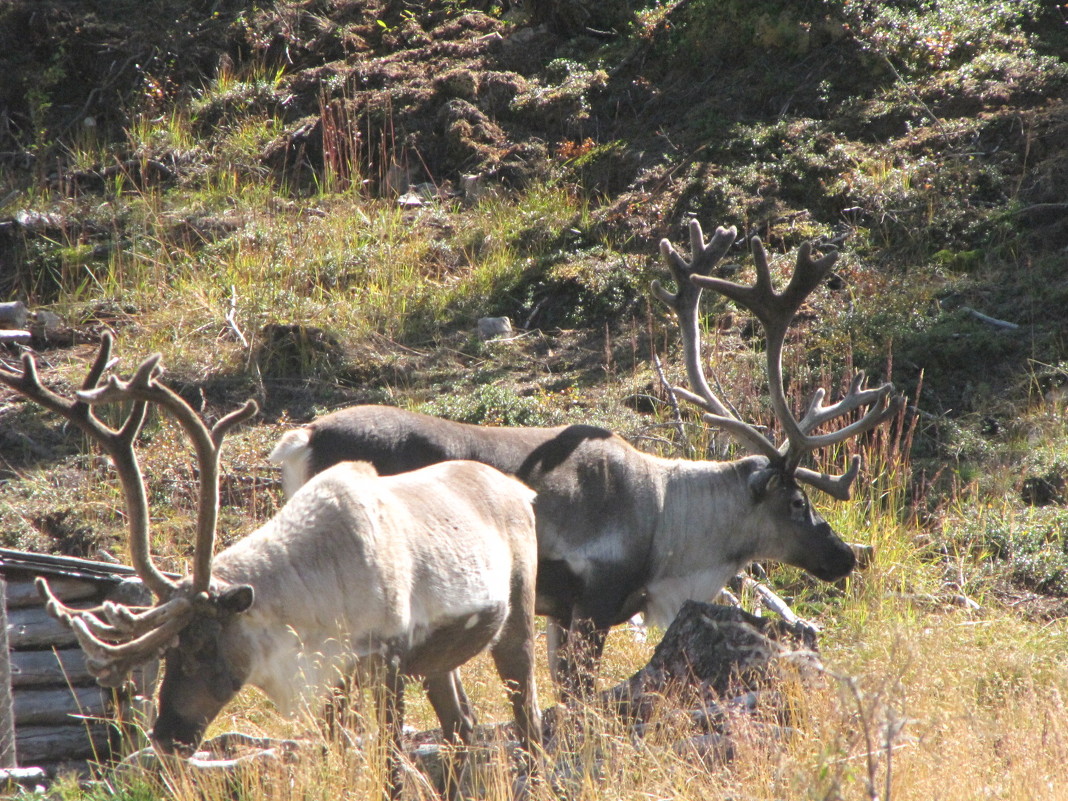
(412, 574)
(620, 531)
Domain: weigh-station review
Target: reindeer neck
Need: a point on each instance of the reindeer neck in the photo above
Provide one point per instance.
(702, 538)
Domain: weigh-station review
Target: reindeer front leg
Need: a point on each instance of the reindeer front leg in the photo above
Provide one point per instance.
(452, 706)
(453, 709)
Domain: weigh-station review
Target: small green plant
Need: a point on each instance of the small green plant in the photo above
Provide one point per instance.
(938, 34)
(488, 405)
(562, 93)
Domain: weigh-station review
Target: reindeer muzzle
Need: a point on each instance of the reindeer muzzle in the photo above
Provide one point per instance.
(833, 558)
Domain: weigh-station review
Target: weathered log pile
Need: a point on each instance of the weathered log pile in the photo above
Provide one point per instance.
(62, 718)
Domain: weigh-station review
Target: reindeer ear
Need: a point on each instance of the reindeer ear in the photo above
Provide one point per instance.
(758, 483)
(236, 600)
(763, 481)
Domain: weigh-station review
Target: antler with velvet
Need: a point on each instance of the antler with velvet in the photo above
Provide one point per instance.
(775, 312)
(115, 637)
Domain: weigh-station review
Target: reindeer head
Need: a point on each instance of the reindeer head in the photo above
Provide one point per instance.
(801, 536)
(806, 541)
(205, 669)
(189, 619)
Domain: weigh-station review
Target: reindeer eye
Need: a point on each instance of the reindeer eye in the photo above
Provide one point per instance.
(798, 504)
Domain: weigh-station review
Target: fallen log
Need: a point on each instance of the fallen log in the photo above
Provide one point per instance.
(37, 745)
(8, 758)
(21, 594)
(32, 627)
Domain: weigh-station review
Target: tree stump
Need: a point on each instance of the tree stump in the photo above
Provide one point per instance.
(712, 653)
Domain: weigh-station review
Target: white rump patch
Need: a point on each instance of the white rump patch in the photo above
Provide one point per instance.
(293, 454)
(365, 469)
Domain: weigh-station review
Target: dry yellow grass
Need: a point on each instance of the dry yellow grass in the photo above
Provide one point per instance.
(922, 699)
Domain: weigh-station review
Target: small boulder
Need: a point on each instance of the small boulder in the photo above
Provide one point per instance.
(493, 327)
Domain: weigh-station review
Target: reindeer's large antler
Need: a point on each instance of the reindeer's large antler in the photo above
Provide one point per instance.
(115, 637)
(144, 388)
(117, 443)
(775, 312)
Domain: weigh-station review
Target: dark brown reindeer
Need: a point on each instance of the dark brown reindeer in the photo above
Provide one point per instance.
(411, 575)
(620, 531)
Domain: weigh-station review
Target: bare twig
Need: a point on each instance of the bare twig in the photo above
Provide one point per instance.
(986, 318)
(776, 604)
(231, 318)
(676, 413)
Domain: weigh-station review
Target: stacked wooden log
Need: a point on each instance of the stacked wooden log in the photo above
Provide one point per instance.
(62, 718)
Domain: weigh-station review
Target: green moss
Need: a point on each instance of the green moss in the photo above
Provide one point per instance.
(1032, 546)
(488, 405)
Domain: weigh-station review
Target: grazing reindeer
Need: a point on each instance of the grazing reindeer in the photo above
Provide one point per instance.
(620, 531)
(414, 574)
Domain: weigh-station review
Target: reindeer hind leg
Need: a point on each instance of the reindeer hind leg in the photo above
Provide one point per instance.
(453, 708)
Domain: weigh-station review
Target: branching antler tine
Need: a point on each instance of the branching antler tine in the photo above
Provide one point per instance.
(232, 420)
(704, 257)
(685, 302)
(691, 397)
(100, 363)
(126, 617)
(207, 443)
(117, 444)
(111, 663)
(874, 417)
(835, 486)
(815, 409)
(55, 607)
(661, 294)
(29, 384)
(856, 398)
(775, 311)
(130, 428)
(124, 623)
(148, 371)
(92, 394)
(763, 288)
(115, 390)
(105, 631)
(808, 274)
(208, 462)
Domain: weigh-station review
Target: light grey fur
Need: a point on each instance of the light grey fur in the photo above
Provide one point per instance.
(412, 574)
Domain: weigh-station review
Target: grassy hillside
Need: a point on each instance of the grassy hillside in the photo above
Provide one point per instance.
(312, 203)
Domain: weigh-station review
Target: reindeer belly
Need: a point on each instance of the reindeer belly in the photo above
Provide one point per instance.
(666, 595)
(453, 641)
